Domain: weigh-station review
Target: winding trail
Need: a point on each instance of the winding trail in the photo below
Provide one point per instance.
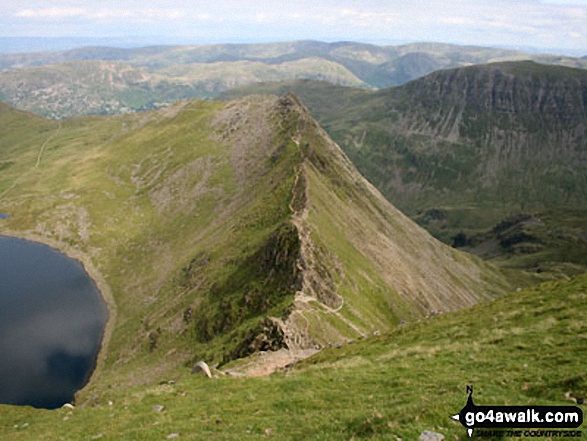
(40, 154)
(53, 135)
(298, 219)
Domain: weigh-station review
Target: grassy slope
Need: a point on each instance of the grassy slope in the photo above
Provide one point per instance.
(548, 242)
(221, 76)
(187, 214)
(120, 195)
(525, 348)
(386, 268)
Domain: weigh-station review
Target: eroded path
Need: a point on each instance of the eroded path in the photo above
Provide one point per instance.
(39, 155)
(47, 141)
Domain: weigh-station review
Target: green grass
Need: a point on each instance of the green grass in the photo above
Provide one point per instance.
(526, 348)
(187, 215)
(143, 195)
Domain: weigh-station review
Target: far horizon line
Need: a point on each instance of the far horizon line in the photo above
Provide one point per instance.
(63, 43)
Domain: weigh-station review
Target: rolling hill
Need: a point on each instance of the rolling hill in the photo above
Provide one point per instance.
(218, 230)
(460, 150)
(89, 87)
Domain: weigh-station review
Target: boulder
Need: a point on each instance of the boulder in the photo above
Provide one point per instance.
(430, 436)
(201, 366)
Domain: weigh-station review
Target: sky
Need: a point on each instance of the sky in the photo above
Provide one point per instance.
(560, 24)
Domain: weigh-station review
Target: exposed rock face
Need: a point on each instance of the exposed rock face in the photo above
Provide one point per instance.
(558, 95)
(267, 336)
(504, 133)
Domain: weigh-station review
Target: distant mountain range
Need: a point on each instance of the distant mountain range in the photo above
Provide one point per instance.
(378, 66)
(106, 87)
(158, 75)
(12, 45)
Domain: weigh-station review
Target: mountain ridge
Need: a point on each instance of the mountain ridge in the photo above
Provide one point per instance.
(461, 150)
(471, 108)
(225, 229)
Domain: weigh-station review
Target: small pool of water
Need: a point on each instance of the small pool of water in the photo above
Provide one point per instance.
(52, 319)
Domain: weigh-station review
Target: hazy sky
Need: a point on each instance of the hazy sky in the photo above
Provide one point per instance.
(537, 23)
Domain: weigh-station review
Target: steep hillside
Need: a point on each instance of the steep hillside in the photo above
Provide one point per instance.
(509, 133)
(460, 150)
(525, 348)
(219, 230)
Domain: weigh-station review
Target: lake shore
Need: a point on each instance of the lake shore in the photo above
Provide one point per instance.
(103, 288)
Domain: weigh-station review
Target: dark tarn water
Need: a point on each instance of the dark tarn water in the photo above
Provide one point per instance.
(52, 318)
